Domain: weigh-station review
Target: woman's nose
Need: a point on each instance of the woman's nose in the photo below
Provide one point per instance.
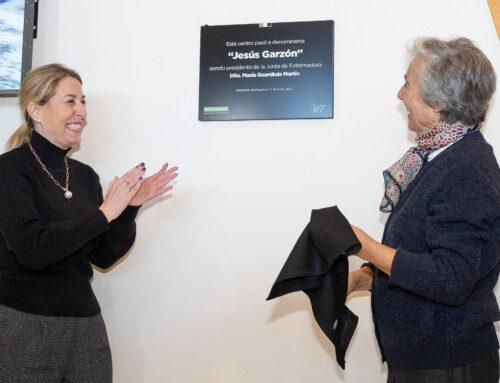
(400, 94)
(82, 111)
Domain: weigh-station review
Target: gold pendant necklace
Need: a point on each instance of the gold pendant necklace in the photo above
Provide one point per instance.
(67, 193)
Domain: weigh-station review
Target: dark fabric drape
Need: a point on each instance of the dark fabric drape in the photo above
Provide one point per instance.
(318, 266)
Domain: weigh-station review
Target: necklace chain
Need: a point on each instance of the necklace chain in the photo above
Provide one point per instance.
(67, 193)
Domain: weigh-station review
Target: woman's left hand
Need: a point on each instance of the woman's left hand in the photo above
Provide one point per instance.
(154, 185)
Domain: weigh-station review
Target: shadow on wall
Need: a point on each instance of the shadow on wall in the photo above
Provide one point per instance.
(295, 303)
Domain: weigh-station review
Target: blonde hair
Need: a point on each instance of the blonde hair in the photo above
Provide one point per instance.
(39, 86)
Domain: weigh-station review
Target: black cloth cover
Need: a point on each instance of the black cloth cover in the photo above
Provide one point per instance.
(318, 266)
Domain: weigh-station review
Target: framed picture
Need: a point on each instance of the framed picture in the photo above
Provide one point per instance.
(17, 29)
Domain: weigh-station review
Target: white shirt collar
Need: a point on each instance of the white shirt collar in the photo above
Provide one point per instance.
(434, 153)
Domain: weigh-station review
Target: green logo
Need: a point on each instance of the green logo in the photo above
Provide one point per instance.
(215, 109)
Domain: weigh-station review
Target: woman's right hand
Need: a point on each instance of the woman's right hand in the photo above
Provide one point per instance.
(121, 191)
(360, 280)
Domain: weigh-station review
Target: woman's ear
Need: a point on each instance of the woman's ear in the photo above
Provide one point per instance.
(439, 108)
(34, 110)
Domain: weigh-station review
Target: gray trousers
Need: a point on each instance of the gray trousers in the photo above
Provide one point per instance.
(43, 349)
(483, 371)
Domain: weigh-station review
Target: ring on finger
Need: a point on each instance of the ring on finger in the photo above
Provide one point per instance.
(128, 184)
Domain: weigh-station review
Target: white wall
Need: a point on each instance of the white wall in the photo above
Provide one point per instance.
(188, 303)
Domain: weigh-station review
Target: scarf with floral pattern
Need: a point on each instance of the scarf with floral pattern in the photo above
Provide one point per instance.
(403, 172)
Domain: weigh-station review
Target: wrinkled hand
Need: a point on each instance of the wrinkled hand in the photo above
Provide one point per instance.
(359, 280)
(121, 191)
(351, 284)
(154, 185)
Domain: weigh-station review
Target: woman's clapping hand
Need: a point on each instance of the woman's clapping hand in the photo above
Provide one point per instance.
(154, 185)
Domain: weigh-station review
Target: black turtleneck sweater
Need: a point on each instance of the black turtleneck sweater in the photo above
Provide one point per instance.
(48, 242)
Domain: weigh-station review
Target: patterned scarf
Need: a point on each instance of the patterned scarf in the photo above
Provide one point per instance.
(403, 172)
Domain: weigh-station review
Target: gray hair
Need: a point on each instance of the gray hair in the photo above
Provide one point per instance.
(455, 76)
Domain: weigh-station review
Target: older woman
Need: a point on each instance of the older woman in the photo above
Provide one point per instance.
(433, 275)
(54, 224)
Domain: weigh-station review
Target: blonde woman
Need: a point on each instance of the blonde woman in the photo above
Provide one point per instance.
(54, 224)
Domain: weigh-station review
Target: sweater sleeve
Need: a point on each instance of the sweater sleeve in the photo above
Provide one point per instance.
(36, 243)
(114, 244)
(459, 223)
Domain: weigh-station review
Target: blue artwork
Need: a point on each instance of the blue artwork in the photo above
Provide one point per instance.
(11, 43)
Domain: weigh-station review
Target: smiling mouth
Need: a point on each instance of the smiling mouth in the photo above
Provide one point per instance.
(74, 127)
